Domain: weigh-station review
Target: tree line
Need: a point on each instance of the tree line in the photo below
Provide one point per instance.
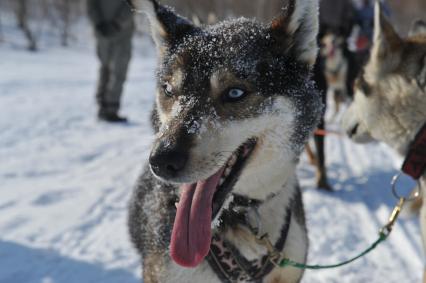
(31, 16)
(60, 17)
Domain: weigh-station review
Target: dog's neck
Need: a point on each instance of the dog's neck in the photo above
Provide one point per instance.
(271, 173)
(227, 261)
(270, 215)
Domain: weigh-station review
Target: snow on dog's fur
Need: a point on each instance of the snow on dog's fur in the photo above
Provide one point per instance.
(235, 90)
(390, 95)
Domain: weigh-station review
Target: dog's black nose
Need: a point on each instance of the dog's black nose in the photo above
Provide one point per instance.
(167, 161)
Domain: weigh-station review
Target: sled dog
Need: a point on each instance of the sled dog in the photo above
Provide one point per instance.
(390, 95)
(234, 108)
(336, 68)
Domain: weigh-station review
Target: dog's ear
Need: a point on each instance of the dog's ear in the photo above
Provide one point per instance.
(387, 45)
(167, 27)
(417, 28)
(296, 30)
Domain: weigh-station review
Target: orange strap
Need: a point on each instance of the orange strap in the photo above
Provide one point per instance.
(324, 133)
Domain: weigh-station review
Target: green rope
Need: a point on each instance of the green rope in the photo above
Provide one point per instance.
(287, 262)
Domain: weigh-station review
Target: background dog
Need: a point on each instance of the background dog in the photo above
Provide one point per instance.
(336, 68)
(418, 28)
(234, 108)
(390, 98)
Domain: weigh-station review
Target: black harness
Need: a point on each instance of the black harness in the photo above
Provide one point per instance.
(226, 261)
(415, 161)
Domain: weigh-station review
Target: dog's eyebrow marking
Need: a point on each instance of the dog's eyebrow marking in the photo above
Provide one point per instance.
(214, 81)
(223, 78)
(177, 78)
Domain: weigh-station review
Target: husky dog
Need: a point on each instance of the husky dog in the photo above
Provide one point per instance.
(336, 68)
(418, 27)
(390, 95)
(234, 107)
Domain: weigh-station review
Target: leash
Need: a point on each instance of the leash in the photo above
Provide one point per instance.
(414, 165)
(279, 260)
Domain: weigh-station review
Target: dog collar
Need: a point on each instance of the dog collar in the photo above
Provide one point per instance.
(228, 263)
(415, 161)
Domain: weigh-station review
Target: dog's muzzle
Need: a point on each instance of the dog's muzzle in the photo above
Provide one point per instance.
(166, 160)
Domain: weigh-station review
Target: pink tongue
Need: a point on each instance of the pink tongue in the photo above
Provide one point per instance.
(191, 234)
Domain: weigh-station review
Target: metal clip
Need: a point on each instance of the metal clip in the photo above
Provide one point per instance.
(412, 196)
(273, 254)
(393, 217)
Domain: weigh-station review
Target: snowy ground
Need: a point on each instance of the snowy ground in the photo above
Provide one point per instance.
(65, 180)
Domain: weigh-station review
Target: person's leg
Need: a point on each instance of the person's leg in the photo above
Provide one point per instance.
(104, 54)
(104, 74)
(120, 61)
(319, 77)
(352, 73)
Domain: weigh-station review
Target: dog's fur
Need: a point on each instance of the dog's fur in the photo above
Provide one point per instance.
(390, 95)
(336, 68)
(197, 66)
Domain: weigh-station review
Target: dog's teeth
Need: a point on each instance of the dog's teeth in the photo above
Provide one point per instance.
(176, 204)
(221, 181)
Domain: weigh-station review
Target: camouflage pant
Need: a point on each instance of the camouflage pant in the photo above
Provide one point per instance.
(114, 55)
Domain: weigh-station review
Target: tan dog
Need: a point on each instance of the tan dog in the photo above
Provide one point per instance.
(390, 96)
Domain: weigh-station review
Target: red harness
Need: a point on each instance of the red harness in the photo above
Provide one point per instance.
(415, 162)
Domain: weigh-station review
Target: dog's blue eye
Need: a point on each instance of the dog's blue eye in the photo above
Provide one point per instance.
(235, 94)
(168, 89)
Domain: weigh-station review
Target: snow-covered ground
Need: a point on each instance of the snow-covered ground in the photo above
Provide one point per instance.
(65, 180)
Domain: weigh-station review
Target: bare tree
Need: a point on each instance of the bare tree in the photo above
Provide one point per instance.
(22, 18)
(64, 10)
(262, 9)
(58, 17)
(1, 27)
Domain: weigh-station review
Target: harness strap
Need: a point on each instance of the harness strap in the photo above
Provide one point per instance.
(231, 266)
(415, 162)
